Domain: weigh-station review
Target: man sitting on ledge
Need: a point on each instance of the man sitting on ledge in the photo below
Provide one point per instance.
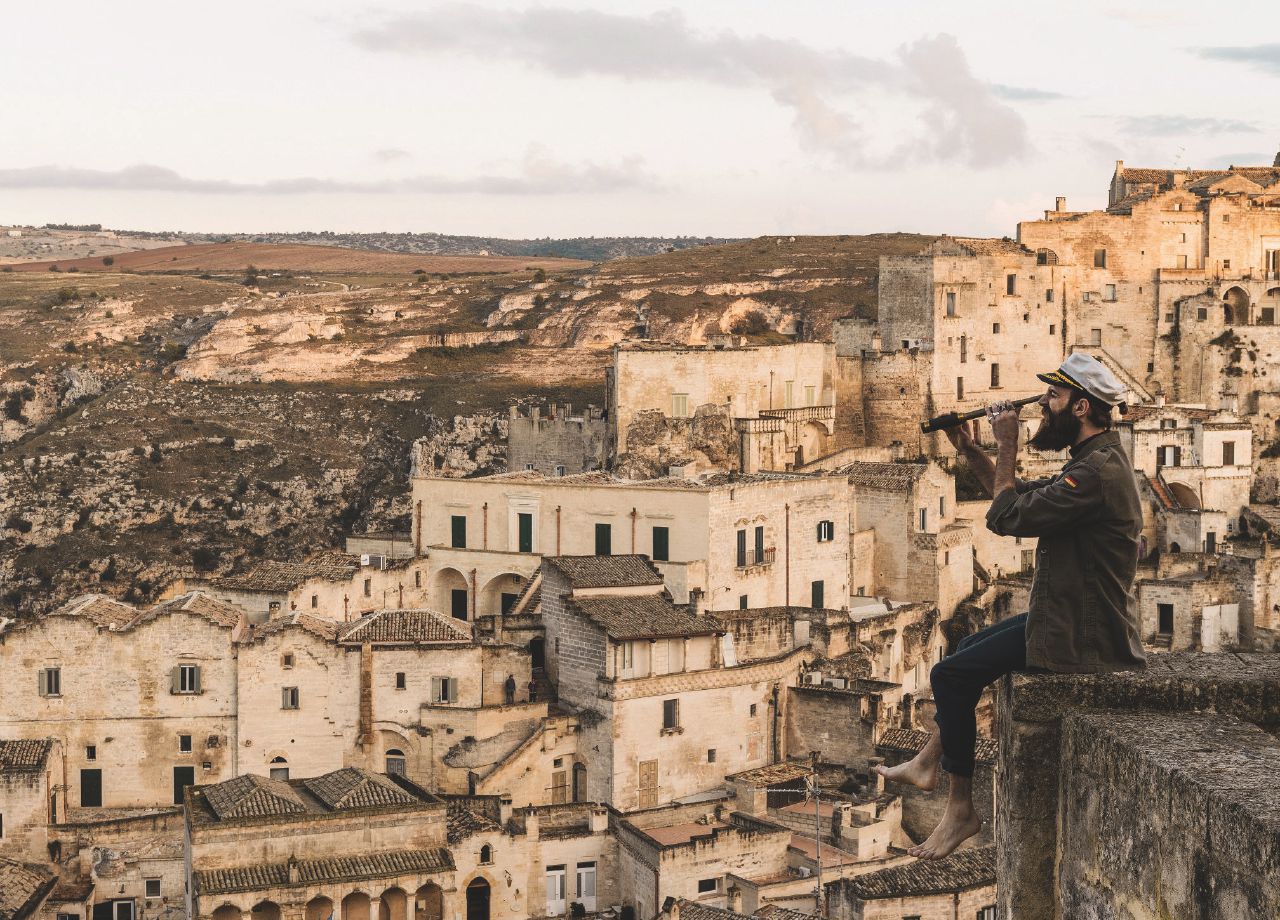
(1083, 615)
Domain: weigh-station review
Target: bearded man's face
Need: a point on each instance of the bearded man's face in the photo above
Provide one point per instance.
(1058, 429)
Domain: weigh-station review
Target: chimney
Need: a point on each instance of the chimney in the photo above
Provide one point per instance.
(293, 871)
(599, 819)
(875, 780)
(531, 823)
(876, 342)
(504, 810)
(1060, 203)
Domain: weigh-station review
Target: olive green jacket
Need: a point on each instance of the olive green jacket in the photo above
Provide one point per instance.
(1084, 615)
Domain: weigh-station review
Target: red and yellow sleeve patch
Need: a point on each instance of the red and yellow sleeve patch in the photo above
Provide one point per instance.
(1069, 481)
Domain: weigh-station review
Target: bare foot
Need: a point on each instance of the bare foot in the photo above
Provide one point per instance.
(957, 826)
(919, 772)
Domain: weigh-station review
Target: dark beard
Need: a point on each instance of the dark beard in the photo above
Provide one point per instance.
(1057, 432)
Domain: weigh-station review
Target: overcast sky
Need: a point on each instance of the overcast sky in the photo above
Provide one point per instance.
(568, 118)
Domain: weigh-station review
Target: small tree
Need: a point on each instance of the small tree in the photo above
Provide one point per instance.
(108, 260)
(539, 275)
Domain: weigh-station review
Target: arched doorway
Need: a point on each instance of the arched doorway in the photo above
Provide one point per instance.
(1235, 307)
(227, 912)
(395, 762)
(451, 594)
(355, 906)
(813, 439)
(265, 910)
(1175, 548)
(478, 900)
(499, 594)
(393, 905)
(428, 903)
(1184, 495)
(319, 908)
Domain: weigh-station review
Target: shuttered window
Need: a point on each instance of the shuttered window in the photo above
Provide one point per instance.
(185, 678)
(444, 690)
(50, 680)
(661, 544)
(288, 697)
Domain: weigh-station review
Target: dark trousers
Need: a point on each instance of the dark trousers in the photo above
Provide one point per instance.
(959, 679)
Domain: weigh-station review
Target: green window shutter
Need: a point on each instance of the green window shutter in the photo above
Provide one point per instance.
(661, 544)
(459, 535)
(44, 681)
(197, 687)
(175, 680)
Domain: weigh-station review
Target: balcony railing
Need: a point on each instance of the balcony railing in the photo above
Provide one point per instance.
(801, 413)
(757, 557)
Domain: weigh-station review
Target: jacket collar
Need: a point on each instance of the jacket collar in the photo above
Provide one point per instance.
(1089, 445)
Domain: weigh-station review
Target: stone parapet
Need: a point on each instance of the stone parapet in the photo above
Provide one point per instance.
(1141, 794)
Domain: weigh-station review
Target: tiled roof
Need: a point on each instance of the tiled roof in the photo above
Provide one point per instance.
(961, 871)
(22, 887)
(1198, 178)
(253, 796)
(606, 571)
(904, 739)
(103, 611)
(773, 773)
(1192, 413)
(989, 245)
(23, 756)
(285, 576)
(318, 626)
(407, 626)
(463, 821)
(776, 912)
(644, 616)
(319, 871)
(352, 787)
(895, 477)
(218, 612)
(693, 910)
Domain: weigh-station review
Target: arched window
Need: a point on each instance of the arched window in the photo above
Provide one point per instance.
(396, 762)
(486, 855)
(279, 768)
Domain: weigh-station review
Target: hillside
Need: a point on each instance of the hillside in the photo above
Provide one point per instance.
(152, 424)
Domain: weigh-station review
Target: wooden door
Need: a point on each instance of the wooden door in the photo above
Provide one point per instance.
(648, 784)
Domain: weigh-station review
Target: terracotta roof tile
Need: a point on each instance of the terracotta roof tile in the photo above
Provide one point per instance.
(253, 796)
(407, 626)
(23, 756)
(905, 739)
(216, 611)
(318, 626)
(606, 571)
(784, 772)
(777, 912)
(285, 576)
(894, 477)
(23, 886)
(961, 871)
(692, 910)
(464, 819)
(103, 611)
(644, 616)
(352, 787)
(318, 871)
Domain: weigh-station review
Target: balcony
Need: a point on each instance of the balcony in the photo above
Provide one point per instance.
(757, 557)
(801, 414)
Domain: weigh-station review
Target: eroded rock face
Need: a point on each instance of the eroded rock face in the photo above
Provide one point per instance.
(706, 440)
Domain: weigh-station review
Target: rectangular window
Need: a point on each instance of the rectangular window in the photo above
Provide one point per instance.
(524, 525)
(959, 388)
(1109, 292)
(280, 773)
(986, 913)
(924, 519)
(815, 593)
(810, 396)
(1267, 316)
(315, 601)
(152, 888)
(1164, 616)
(1053, 330)
(789, 394)
(1095, 338)
(402, 680)
(826, 531)
(742, 602)
(182, 778)
(627, 656)
(286, 660)
(50, 680)
(1048, 295)
(288, 697)
(91, 788)
(670, 714)
(184, 744)
(708, 885)
(417, 578)
(604, 539)
(1226, 264)
(661, 544)
(1099, 258)
(555, 891)
(458, 528)
(1011, 284)
(508, 601)
(186, 679)
(91, 752)
(742, 549)
(679, 405)
(942, 506)
(368, 587)
(711, 755)
(752, 710)
(964, 349)
(444, 689)
(759, 545)
(458, 603)
(1228, 453)
(995, 375)
(995, 328)
(1182, 262)
(951, 303)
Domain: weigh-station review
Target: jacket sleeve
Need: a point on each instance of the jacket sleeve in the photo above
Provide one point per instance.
(1065, 501)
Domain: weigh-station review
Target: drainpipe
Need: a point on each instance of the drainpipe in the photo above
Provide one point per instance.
(633, 531)
(417, 529)
(786, 552)
(557, 530)
(773, 729)
(484, 530)
(475, 589)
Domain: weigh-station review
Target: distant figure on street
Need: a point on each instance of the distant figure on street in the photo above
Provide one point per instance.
(1083, 616)
(510, 688)
(533, 690)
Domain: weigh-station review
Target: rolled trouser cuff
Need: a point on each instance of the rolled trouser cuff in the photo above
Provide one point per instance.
(956, 767)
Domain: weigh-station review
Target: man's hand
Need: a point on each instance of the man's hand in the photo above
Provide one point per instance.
(1006, 426)
(963, 437)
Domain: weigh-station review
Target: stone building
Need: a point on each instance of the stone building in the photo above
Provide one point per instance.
(33, 796)
(739, 407)
(559, 443)
(751, 540)
(959, 887)
(24, 888)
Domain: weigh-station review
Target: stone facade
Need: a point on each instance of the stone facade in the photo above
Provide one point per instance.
(558, 443)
